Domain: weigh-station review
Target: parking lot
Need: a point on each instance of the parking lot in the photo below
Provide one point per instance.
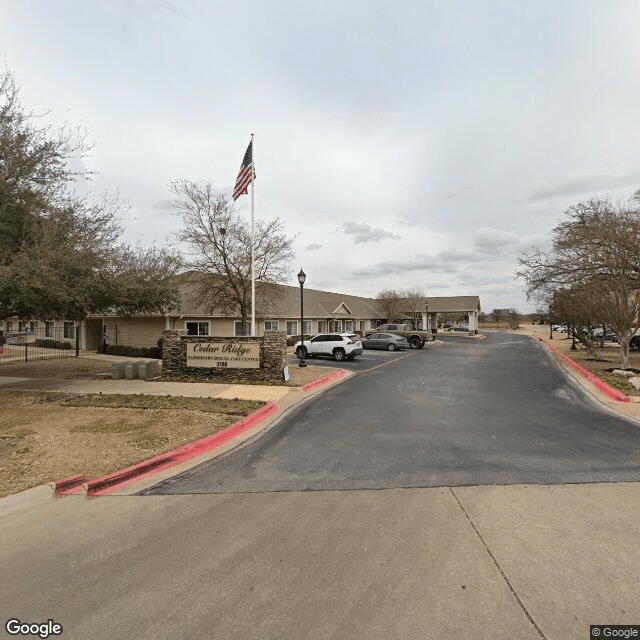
(369, 359)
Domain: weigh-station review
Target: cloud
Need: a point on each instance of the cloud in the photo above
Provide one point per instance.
(583, 184)
(411, 263)
(363, 232)
(488, 239)
(313, 247)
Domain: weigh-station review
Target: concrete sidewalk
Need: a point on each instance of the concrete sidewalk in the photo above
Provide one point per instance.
(184, 389)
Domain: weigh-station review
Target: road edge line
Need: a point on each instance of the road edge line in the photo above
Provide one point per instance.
(608, 390)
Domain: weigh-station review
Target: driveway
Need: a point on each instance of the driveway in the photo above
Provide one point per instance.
(497, 411)
(486, 562)
(369, 359)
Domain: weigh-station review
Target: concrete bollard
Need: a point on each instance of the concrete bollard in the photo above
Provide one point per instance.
(117, 370)
(130, 371)
(143, 371)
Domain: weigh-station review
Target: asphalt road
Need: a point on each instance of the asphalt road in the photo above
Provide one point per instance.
(496, 411)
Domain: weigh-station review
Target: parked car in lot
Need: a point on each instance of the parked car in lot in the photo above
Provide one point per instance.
(388, 341)
(461, 327)
(339, 345)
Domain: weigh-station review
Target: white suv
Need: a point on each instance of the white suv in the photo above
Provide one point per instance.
(339, 345)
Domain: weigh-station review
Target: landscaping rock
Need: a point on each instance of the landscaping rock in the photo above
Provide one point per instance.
(623, 372)
(635, 382)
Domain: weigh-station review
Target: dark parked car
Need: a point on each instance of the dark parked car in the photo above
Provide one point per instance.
(388, 341)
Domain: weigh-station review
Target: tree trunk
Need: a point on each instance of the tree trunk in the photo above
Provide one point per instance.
(624, 351)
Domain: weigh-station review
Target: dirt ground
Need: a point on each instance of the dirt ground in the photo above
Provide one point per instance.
(608, 357)
(46, 436)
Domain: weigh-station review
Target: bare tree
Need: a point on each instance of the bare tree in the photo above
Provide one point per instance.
(595, 255)
(497, 316)
(513, 318)
(415, 304)
(391, 303)
(219, 241)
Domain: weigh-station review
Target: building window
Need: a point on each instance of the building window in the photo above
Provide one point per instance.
(22, 326)
(197, 328)
(307, 328)
(69, 330)
(32, 326)
(271, 325)
(348, 326)
(48, 330)
(322, 326)
(292, 327)
(9, 326)
(237, 328)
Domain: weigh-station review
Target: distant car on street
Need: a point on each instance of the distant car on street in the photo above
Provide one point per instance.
(388, 341)
(342, 346)
(461, 327)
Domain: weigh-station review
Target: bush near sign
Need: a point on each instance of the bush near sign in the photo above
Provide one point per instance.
(224, 355)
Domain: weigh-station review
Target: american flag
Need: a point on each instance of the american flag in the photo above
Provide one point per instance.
(246, 174)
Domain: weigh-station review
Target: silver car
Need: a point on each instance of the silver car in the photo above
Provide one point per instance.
(388, 341)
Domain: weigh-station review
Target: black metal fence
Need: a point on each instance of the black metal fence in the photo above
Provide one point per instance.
(52, 342)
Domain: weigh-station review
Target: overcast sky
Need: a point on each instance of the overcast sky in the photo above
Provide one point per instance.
(406, 144)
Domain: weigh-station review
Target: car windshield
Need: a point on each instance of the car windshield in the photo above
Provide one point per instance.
(353, 337)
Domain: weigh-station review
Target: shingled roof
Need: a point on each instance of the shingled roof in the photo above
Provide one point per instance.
(285, 303)
(453, 304)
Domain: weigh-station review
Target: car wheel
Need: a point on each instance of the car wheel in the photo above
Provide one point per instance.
(391, 347)
(339, 355)
(416, 343)
(301, 352)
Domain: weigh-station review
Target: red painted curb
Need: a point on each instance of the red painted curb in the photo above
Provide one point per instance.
(608, 390)
(69, 484)
(324, 380)
(118, 479)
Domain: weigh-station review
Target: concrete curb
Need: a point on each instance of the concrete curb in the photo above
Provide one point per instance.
(118, 479)
(320, 382)
(69, 484)
(609, 391)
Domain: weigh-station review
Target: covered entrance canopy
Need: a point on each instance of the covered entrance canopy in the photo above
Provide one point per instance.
(469, 305)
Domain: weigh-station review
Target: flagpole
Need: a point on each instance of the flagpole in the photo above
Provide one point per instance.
(253, 244)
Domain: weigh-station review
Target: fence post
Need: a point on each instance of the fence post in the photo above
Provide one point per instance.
(26, 350)
(77, 341)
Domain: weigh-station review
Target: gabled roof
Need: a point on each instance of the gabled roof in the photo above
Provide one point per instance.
(284, 303)
(453, 304)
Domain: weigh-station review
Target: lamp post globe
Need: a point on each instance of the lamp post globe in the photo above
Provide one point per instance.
(302, 276)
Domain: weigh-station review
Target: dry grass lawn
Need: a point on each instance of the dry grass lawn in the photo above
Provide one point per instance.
(45, 436)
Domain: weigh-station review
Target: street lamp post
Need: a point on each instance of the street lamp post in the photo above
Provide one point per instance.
(550, 325)
(301, 278)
